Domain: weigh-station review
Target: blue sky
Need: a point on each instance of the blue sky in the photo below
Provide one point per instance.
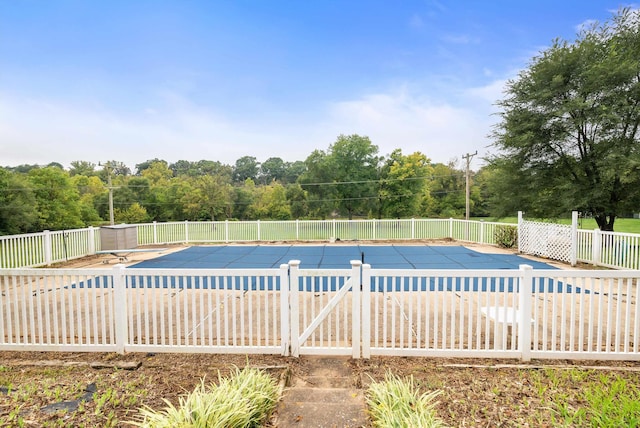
(218, 80)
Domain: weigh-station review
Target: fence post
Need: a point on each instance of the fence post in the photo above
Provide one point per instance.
(48, 248)
(294, 308)
(356, 317)
(574, 238)
(155, 232)
(186, 231)
(596, 247)
(520, 228)
(450, 227)
(413, 228)
(226, 231)
(120, 308)
(285, 311)
(366, 310)
(482, 231)
(297, 229)
(91, 241)
(525, 288)
(258, 222)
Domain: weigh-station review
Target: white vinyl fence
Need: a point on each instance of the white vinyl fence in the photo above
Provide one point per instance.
(554, 241)
(47, 248)
(358, 311)
(609, 249)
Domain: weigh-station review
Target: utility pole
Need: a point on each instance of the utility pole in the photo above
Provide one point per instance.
(107, 166)
(468, 158)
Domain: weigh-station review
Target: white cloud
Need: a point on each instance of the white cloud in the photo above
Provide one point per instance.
(440, 130)
(490, 93)
(42, 131)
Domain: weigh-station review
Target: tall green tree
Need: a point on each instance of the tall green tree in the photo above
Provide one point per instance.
(23, 168)
(354, 161)
(57, 199)
(273, 169)
(17, 204)
(344, 177)
(141, 167)
(481, 192)
(403, 185)
(297, 198)
(293, 170)
(199, 168)
(158, 173)
(89, 188)
(270, 202)
(85, 168)
(210, 199)
(447, 192)
(183, 167)
(568, 136)
(247, 167)
(243, 198)
(317, 181)
(135, 213)
(207, 167)
(113, 167)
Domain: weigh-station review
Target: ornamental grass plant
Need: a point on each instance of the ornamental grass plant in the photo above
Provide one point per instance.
(397, 402)
(245, 399)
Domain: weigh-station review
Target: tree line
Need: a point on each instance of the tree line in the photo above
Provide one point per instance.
(349, 180)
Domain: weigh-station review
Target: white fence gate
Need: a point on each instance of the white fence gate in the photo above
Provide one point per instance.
(325, 310)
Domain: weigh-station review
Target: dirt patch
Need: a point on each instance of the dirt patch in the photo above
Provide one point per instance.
(474, 392)
(31, 383)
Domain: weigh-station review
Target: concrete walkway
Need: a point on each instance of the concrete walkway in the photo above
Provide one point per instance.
(323, 396)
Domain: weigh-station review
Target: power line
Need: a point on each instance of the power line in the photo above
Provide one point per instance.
(150, 186)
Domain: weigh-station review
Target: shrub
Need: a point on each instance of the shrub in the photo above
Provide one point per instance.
(506, 236)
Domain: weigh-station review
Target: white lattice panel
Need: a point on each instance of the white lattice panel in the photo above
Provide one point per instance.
(548, 240)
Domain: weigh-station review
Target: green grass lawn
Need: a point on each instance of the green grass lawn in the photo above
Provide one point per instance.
(624, 225)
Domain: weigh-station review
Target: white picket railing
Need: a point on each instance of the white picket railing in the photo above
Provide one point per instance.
(609, 249)
(557, 242)
(46, 248)
(361, 311)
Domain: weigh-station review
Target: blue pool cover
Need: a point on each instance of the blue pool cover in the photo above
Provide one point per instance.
(336, 256)
(328, 256)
